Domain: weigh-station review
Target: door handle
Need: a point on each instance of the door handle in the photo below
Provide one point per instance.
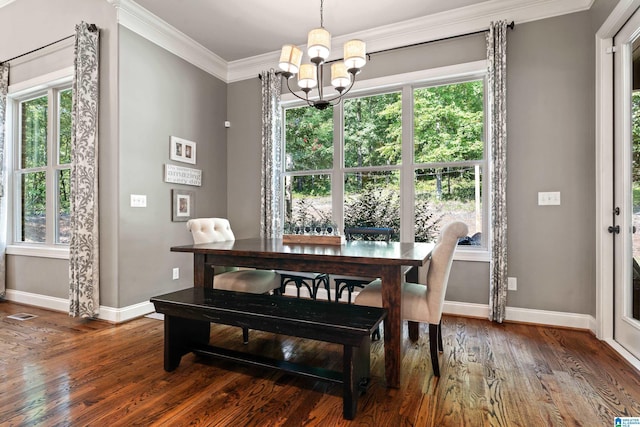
(614, 229)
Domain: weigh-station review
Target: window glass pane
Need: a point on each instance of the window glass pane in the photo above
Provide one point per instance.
(34, 196)
(308, 138)
(372, 199)
(34, 132)
(444, 195)
(64, 127)
(307, 203)
(448, 122)
(64, 222)
(373, 130)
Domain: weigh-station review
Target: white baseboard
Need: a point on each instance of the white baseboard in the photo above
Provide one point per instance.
(110, 314)
(37, 300)
(525, 315)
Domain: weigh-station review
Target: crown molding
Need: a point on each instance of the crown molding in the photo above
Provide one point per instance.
(3, 3)
(433, 27)
(139, 20)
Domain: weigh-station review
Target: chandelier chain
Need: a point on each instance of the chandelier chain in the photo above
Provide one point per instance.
(321, 13)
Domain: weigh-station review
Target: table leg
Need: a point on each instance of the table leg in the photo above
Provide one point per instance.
(198, 270)
(392, 301)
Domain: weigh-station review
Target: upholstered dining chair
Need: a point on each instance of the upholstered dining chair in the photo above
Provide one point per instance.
(349, 283)
(212, 230)
(422, 302)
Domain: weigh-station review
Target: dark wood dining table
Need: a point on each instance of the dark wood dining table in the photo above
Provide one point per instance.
(386, 261)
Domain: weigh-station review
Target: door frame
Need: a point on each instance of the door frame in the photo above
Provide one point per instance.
(604, 174)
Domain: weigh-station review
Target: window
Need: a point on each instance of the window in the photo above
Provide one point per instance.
(448, 148)
(42, 156)
(308, 166)
(410, 156)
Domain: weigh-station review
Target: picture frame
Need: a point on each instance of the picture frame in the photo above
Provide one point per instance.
(182, 150)
(183, 205)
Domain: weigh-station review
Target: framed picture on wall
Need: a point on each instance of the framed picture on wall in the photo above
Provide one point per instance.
(182, 150)
(183, 205)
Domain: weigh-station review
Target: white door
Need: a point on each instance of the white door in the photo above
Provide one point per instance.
(626, 204)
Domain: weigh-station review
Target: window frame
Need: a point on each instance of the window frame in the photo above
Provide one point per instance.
(51, 85)
(406, 84)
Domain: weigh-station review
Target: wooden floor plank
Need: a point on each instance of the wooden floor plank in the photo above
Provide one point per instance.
(58, 370)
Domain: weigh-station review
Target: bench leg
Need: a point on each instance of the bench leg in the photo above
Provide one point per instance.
(179, 336)
(356, 372)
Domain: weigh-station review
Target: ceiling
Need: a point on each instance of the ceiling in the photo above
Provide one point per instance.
(237, 40)
(241, 29)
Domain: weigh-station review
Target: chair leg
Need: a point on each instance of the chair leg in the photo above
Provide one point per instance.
(440, 348)
(375, 336)
(433, 348)
(414, 330)
(321, 280)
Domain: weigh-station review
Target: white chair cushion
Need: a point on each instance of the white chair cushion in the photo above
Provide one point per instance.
(252, 281)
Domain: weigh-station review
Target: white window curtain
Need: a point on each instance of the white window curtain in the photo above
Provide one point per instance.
(271, 211)
(497, 59)
(4, 86)
(84, 256)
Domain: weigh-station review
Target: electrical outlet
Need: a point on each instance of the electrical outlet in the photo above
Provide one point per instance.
(176, 273)
(512, 283)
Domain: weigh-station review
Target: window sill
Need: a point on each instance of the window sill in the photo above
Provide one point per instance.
(471, 255)
(61, 252)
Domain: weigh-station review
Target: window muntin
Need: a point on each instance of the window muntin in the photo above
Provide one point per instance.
(463, 154)
(41, 176)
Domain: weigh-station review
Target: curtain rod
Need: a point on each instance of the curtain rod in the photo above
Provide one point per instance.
(92, 28)
(511, 26)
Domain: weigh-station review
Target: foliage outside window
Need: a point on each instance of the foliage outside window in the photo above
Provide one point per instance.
(309, 153)
(449, 153)
(43, 167)
(446, 162)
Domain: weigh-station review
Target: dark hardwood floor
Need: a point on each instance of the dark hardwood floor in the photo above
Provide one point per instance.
(61, 371)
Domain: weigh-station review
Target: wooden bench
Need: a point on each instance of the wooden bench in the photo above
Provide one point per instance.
(189, 312)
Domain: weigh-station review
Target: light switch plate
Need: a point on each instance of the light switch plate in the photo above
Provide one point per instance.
(138, 201)
(548, 198)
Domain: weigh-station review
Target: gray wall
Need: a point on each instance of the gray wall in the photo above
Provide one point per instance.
(147, 95)
(550, 88)
(552, 148)
(26, 25)
(162, 95)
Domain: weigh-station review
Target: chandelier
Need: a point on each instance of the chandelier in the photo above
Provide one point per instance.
(310, 75)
